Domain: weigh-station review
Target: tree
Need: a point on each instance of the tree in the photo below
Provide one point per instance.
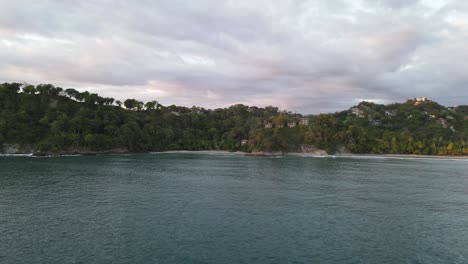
(151, 105)
(44, 89)
(29, 89)
(133, 104)
(72, 93)
(91, 98)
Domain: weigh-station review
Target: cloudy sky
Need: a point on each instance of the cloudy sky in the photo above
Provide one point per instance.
(305, 56)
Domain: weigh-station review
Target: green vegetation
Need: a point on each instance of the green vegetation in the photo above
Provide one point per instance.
(53, 120)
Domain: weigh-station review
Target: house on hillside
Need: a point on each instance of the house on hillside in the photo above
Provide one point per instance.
(357, 112)
(268, 125)
(304, 121)
(244, 142)
(442, 122)
(292, 124)
(390, 113)
(375, 122)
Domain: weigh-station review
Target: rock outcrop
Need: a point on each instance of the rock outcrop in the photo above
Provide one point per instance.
(16, 149)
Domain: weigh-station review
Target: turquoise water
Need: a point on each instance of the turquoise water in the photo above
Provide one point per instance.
(183, 208)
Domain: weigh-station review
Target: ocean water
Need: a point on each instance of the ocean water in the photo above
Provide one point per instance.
(186, 208)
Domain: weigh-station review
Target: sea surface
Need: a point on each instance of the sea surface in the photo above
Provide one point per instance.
(188, 208)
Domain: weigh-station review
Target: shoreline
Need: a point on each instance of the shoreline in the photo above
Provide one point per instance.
(238, 153)
(205, 152)
(403, 156)
(380, 156)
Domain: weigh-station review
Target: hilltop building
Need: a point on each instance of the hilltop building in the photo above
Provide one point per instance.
(419, 100)
(304, 121)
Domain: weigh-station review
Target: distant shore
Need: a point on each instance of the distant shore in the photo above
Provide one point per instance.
(389, 156)
(209, 152)
(406, 156)
(239, 153)
(312, 155)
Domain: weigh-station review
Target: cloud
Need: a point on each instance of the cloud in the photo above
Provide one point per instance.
(307, 56)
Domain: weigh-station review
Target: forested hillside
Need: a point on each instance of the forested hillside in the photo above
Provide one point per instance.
(50, 119)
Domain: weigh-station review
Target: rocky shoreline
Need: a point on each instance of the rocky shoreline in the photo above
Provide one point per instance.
(17, 150)
(82, 153)
(27, 150)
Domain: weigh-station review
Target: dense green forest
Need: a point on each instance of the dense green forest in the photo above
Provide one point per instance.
(49, 119)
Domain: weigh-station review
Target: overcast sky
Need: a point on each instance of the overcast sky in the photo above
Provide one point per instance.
(305, 56)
